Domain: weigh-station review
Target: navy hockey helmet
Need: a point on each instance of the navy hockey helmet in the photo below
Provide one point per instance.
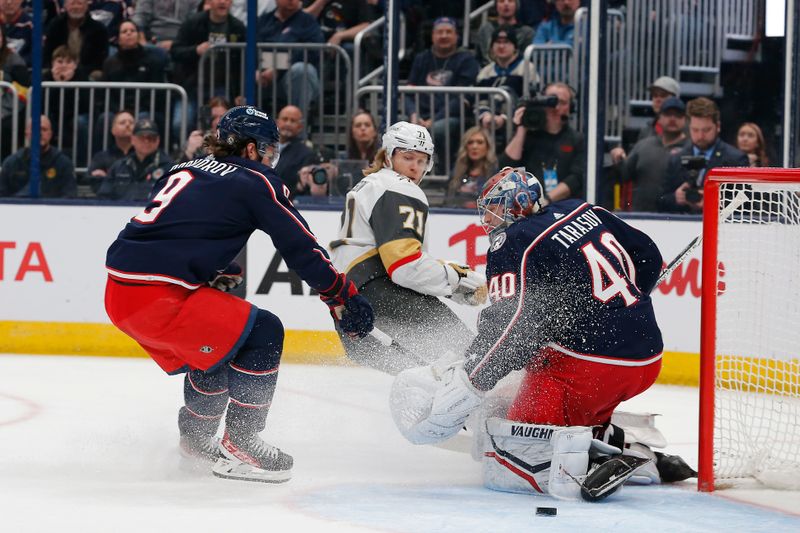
(246, 123)
(508, 196)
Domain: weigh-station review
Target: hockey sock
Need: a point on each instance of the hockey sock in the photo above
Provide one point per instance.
(206, 396)
(253, 374)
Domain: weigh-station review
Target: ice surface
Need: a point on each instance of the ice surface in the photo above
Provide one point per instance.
(90, 444)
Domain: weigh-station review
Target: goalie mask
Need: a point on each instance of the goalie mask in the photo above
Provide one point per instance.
(508, 196)
(407, 136)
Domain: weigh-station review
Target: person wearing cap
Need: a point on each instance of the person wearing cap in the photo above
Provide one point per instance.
(506, 16)
(664, 87)
(443, 65)
(505, 71)
(132, 177)
(682, 190)
(560, 27)
(646, 165)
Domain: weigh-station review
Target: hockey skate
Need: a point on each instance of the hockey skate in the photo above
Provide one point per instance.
(202, 449)
(249, 458)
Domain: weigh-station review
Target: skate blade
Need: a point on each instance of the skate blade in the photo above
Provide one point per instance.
(228, 469)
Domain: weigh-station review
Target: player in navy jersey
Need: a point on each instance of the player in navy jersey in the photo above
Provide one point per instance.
(569, 286)
(168, 273)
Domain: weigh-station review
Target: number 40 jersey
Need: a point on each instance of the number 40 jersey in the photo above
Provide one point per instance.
(573, 278)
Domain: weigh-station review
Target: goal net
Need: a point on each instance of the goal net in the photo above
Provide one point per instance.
(750, 333)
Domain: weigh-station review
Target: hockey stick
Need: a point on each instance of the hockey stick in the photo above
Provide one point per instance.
(387, 341)
(737, 201)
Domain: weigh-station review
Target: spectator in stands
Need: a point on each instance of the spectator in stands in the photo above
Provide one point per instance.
(122, 133)
(110, 13)
(85, 37)
(661, 89)
(17, 27)
(56, 172)
(73, 127)
(750, 140)
(556, 154)
(505, 71)
(506, 16)
(682, 190)
(476, 161)
(560, 27)
(341, 21)
(362, 141)
(443, 65)
(532, 13)
(196, 35)
(132, 177)
(294, 151)
(288, 23)
(134, 62)
(647, 164)
(209, 116)
(159, 21)
(315, 179)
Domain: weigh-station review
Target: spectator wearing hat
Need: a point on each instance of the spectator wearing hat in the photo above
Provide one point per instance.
(132, 177)
(646, 165)
(443, 65)
(56, 171)
(506, 16)
(682, 190)
(505, 71)
(560, 27)
(661, 89)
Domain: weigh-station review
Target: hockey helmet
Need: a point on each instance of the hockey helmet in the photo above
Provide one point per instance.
(508, 196)
(246, 123)
(406, 136)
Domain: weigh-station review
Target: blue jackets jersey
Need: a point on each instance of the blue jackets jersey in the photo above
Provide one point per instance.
(574, 278)
(202, 214)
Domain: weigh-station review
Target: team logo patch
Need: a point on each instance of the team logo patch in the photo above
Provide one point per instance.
(50, 173)
(206, 349)
(498, 241)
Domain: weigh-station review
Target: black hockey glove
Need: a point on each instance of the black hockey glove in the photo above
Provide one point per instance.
(228, 279)
(351, 310)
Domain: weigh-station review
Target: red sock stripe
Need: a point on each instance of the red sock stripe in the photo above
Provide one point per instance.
(204, 417)
(250, 405)
(254, 372)
(203, 392)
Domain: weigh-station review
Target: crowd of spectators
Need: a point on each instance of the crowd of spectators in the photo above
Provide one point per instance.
(141, 41)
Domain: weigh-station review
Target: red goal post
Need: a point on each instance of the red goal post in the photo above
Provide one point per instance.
(750, 330)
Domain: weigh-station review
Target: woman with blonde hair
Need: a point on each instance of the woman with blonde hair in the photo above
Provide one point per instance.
(476, 161)
(382, 246)
(750, 140)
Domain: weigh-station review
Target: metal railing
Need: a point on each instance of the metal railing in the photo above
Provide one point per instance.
(10, 95)
(93, 104)
(470, 15)
(330, 104)
(615, 99)
(375, 73)
(546, 63)
(446, 144)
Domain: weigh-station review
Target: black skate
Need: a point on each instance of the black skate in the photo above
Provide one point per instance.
(249, 458)
(201, 449)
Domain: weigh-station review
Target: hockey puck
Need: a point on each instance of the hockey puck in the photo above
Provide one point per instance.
(546, 511)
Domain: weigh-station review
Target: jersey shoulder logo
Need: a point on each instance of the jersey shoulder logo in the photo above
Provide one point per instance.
(558, 216)
(498, 241)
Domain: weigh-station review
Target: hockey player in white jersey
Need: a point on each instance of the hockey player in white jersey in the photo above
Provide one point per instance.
(382, 246)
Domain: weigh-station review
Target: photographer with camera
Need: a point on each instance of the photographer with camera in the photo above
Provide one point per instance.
(545, 143)
(315, 180)
(683, 184)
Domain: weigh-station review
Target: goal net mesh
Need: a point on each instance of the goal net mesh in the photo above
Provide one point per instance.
(757, 366)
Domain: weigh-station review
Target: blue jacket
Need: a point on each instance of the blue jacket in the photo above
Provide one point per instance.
(299, 28)
(56, 174)
(457, 70)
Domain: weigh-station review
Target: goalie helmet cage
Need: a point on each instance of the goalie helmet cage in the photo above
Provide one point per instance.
(750, 330)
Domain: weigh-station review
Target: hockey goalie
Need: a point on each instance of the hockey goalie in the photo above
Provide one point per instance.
(570, 312)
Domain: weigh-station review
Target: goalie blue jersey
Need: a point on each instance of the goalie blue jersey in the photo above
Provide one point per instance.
(575, 279)
(201, 215)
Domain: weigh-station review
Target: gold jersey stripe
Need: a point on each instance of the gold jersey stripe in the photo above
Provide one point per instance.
(397, 250)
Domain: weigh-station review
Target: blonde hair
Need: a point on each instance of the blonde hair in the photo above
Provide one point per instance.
(463, 164)
(378, 162)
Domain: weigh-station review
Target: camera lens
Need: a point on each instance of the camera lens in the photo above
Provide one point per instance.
(319, 176)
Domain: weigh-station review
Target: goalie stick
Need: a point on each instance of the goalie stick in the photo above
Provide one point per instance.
(737, 201)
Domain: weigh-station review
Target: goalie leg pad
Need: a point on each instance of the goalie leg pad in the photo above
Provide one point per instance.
(538, 459)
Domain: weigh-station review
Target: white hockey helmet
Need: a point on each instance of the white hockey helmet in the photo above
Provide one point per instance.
(406, 136)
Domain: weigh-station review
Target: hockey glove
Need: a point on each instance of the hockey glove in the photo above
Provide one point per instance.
(469, 287)
(228, 279)
(351, 310)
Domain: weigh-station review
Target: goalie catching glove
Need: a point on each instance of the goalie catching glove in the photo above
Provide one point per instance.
(351, 310)
(428, 407)
(469, 287)
(228, 279)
